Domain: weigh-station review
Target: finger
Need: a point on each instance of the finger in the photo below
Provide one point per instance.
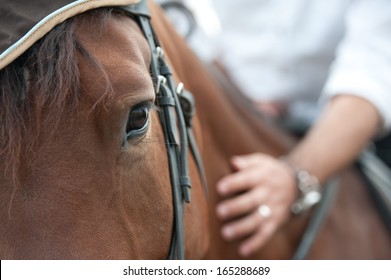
(245, 161)
(242, 227)
(240, 181)
(242, 203)
(256, 241)
(272, 109)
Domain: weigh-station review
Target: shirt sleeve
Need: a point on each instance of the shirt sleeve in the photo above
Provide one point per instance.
(362, 65)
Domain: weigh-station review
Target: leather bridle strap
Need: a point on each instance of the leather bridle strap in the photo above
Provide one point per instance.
(188, 108)
(166, 100)
(174, 128)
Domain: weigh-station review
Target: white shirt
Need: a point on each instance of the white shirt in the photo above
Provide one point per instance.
(207, 28)
(302, 50)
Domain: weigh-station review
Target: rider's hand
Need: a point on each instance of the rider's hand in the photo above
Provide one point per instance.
(260, 180)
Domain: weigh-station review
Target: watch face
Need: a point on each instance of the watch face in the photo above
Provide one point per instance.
(180, 16)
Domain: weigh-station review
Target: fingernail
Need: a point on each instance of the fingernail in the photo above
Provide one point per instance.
(222, 187)
(222, 211)
(244, 251)
(238, 161)
(227, 232)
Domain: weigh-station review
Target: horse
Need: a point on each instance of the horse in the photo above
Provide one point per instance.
(353, 227)
(86, 172)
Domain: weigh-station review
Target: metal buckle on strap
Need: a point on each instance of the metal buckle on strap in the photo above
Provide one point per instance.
(161, 80)
(159, 52)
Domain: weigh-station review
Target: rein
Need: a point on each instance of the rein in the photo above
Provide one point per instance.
(317, 219)
(177, 109)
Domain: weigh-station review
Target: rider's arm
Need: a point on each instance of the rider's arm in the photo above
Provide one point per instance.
(347, 125)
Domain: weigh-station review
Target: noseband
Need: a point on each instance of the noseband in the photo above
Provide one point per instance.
(176, 111)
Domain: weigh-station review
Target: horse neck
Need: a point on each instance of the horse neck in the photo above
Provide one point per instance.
(226, 129)
(235, 131)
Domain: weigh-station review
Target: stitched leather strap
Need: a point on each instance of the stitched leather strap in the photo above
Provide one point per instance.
(176, 130)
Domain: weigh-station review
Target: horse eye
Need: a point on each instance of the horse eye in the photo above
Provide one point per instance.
(137, 121)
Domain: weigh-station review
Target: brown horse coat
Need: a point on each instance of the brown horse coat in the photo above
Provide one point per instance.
(73, 187)
(354, 228)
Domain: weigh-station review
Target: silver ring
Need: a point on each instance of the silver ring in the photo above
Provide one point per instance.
(264, 211)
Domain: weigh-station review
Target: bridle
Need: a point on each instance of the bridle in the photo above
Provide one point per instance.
(176, 104)
(176, 112)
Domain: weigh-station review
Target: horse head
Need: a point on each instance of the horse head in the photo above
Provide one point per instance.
(86, 172)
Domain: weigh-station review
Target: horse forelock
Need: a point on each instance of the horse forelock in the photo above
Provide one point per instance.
(41, 88)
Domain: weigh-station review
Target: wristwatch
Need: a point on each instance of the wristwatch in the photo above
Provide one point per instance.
(308, 188)
(309, 191)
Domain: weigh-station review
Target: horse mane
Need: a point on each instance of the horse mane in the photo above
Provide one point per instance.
(40, 88)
